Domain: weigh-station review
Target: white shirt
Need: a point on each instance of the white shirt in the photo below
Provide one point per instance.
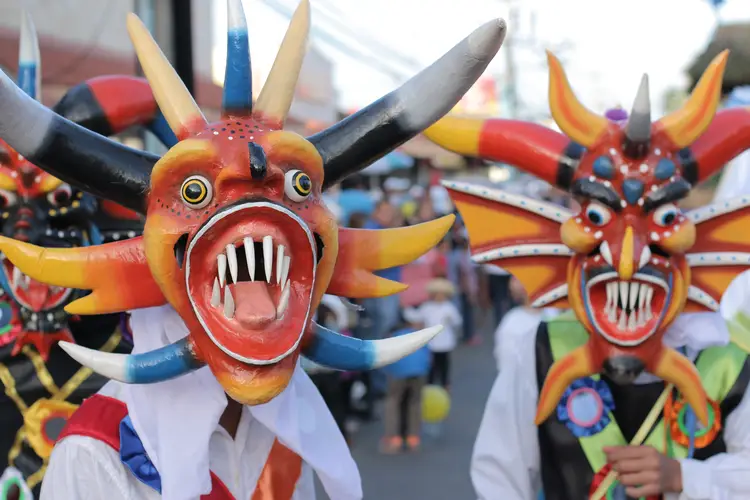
(506, 463)
(445, 314)
(519, 321)
(82, 468)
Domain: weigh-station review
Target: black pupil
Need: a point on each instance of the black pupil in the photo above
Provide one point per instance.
(595, 217)
(3, 201)
(193, 191)
(62, 196)
(304, 183)
(669, 218)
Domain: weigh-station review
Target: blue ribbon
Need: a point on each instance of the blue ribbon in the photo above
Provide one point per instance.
(608, 404)
(133, 455)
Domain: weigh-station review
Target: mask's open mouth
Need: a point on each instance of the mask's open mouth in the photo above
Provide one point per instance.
(250, 272)
(626, 313)
(35, 296)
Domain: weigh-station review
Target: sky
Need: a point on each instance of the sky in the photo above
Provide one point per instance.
(605, 45)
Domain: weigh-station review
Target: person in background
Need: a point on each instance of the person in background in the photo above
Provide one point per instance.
(354, 198)
(463, 273)
(521, 320)
(332, 384)
(440, 310)
(403, 401)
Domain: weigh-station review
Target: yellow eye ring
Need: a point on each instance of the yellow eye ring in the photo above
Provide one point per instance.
(196, 191)
(297, 185)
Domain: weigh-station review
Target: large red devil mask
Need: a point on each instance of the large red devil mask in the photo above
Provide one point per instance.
(630, 261)
(237, 238)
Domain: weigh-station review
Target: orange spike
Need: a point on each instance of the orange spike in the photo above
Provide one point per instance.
(117, 273)
(576, 364)
(574, 119)
(686, 124)
(362, 251)
(676, 369)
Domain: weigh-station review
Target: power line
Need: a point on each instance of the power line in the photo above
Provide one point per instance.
(360, 35)
(337, 44)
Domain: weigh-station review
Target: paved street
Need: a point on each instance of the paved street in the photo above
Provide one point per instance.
(441, 470)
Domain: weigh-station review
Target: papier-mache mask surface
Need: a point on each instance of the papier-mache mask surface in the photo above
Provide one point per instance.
(37, 208)
(236, 237)
(630, 261)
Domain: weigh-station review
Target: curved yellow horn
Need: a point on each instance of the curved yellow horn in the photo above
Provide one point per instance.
(180, 110)
(574, 119)
(275, 98)
(686, 124)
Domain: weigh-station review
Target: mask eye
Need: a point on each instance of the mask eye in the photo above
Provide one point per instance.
(7, 199)
(196, 191)
(666, 215)
(297, 185)
(598, 214)
(61, 196)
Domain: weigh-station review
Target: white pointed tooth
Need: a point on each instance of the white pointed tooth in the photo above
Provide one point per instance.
(633, 294)
(221, 262)
(283, 300)
(649, 296)
(615, 295)
(279, 263)
(250, 256)
(624, 288)
(285, 268)
(268, 256)
(27, 279)
(228, 303)
(641, 318)
(632, 321)
(645, 257)
(232, 258)
(612, 315)
(606, 253)
(609, 295)
(17, 275)
(216, 293)
(622, 323)
(642, 296)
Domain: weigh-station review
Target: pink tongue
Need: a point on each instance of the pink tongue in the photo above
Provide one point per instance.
(253, 304)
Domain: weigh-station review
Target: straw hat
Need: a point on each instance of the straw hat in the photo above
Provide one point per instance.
(441, 285)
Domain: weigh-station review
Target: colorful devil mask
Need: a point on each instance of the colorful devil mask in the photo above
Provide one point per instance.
(37, 208)
(237, 238)
(630, 261)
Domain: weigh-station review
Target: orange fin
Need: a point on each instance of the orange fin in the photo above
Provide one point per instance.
(117, 273)
(576, 364)
(362, 251)
(721, 250)
(519, 234)
(676, 369)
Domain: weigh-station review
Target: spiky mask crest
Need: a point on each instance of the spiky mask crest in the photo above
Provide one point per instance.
(630, 261)
(237, 238)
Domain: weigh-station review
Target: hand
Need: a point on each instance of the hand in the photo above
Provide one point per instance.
(644, 471)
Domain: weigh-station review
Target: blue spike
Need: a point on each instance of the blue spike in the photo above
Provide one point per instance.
(338, 351)
(27, 78)
(160, 128)
(238, 92)
(633, 190)
(604, 168)
(161, 364)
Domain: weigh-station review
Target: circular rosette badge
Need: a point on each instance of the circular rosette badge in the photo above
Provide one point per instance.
(678, 426)
(13, 486)
(585, 407)
(616, 491)
(44, 421)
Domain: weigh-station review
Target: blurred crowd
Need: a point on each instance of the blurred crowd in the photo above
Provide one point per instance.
(445, 288)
